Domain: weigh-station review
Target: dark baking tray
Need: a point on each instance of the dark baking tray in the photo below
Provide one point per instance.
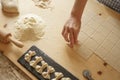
(51, 62)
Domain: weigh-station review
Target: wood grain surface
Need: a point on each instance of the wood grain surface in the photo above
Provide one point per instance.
(8, 71)
(53, 44)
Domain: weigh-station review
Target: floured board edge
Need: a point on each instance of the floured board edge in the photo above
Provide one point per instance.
(46, 58)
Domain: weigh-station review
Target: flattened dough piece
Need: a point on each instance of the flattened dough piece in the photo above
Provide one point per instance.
(50, 70)
(39, 68)
(58, 76)
(10, 6)
(66, 78)
(33, 63)
(29, 55)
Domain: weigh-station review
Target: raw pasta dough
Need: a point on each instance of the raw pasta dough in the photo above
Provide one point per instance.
(33, 63)
(39, 68)
(50, 70)
(10, 6)
(45, 4)
(29, 55)
(66, 78)
(58, 75)
(43, 68)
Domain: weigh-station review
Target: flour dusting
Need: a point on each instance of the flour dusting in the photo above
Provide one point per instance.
(29, 27)
(44, 4)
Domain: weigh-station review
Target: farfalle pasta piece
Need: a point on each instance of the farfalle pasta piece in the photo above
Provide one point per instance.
(39, 68)
(33, 63)
(50, 70)
(65, 78)
(29, 55)
(46, 75)
(58, 76)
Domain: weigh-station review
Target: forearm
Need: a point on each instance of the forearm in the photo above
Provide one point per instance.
(78, 8)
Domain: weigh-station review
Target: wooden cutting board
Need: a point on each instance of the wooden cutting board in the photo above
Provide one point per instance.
(52, 43)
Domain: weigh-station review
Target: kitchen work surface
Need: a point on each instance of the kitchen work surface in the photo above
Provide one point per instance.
(44, 60)
(100, 25)
(9, 71)
(102, 32)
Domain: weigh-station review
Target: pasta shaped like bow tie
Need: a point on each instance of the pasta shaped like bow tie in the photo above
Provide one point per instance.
(58, 76)
(29, 55)
(33, 63)
(50, 70)
(39, 68)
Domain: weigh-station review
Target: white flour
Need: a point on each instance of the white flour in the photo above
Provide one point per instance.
(44, 4)
(29, 27)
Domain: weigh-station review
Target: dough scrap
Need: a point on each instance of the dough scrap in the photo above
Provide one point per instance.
(10, 6)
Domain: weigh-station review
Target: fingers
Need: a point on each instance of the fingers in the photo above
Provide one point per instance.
(71, 30)
(71, 37)
(5, 41)
(76, 32)
(68, 34)
(65, 33)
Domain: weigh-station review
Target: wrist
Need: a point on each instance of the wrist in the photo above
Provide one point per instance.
(76, 16)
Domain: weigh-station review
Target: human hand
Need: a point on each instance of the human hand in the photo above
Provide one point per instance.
(71, 30)
(4, 40)
(4, 36)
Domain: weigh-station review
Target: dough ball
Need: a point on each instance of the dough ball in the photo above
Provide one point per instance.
(10, 6)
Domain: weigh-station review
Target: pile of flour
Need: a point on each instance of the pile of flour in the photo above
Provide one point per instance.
(29, 27)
